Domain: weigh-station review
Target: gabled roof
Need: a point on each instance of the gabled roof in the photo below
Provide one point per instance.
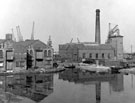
(2, 40)
(22, 46)
(18, 48)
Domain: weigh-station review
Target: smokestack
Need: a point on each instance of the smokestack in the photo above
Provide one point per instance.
(97, 29)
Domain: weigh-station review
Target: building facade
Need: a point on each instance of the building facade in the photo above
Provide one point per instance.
(24, 54)
(111, 50)
(97, 52)
(78, 51)
(116, 41)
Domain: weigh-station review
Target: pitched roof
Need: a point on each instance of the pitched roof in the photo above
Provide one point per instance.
(18, 48)
(22, 46)
(2, 40)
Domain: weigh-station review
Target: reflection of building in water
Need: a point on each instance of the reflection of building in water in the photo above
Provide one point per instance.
(115, 80)
(35, 87)
(117, 83)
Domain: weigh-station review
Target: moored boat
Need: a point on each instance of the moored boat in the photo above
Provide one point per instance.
(94, 67)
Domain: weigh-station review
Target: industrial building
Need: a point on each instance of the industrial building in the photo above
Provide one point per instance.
(111, 50)
(26, 54)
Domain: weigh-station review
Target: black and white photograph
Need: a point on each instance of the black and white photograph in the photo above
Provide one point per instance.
(67, 51)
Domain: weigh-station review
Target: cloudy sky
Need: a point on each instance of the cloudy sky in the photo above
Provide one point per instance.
(66, 19)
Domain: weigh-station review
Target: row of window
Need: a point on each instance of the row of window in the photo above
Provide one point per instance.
(47, 53)
(96, 56)
(1, 54)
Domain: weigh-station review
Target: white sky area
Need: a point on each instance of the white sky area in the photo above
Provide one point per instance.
(66, 19)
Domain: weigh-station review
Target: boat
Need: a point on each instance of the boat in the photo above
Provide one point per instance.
(93, 67)
(69, 66)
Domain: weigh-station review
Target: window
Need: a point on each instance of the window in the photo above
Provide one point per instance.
(45, 53)
(22, 64)
(109, 56)
(83, 55)
(31, 52)
(39, 54)
(90, 55)
(1, 54)
(49, 53)
(103, 55)
(96, 55)
(17, 64)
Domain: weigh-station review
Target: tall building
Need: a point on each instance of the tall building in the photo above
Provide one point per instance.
(116, 41)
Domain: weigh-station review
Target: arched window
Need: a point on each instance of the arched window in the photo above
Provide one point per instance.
(31, 52)
(83, 55)
(103, 55)
(49, 53)
(109, 56)
(45, 53)
(90, 55)
(96, 55)
(1, 54)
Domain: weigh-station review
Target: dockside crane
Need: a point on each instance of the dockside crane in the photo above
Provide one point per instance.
(32, 34)
(20, 37)
(14, 39)
(114, 31)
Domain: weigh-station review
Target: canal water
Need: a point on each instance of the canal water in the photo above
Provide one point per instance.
(69, 86)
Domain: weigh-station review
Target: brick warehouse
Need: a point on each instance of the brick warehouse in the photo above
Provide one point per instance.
(24, 54)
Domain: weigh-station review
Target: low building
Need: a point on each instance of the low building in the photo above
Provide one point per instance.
(38, 54)
(89, 51)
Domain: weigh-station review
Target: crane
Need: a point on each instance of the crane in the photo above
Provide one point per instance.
(32, 34)
(78, 40)
(14, 39)
(20, 37)
(114, 31)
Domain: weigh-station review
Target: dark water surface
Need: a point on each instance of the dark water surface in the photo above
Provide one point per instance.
(70, 86)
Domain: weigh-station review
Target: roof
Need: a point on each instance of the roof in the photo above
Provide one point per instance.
(82, 46)
(70, 45)
(22, 46)
(18, 48)
(2, 40)
(98, 47)
(26, 42)
(114, 36)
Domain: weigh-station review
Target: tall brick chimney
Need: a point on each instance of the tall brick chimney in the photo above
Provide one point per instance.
(97, 27)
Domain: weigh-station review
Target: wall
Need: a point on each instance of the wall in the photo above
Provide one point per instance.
(117, 43)
(99, 52)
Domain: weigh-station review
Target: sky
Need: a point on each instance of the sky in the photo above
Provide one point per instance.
(67, 19)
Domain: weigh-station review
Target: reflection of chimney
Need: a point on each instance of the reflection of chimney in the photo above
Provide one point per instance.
(97, 29)
(98, 92)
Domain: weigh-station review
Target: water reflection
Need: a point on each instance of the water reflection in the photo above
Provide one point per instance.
(115, 81)
(34, 87)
